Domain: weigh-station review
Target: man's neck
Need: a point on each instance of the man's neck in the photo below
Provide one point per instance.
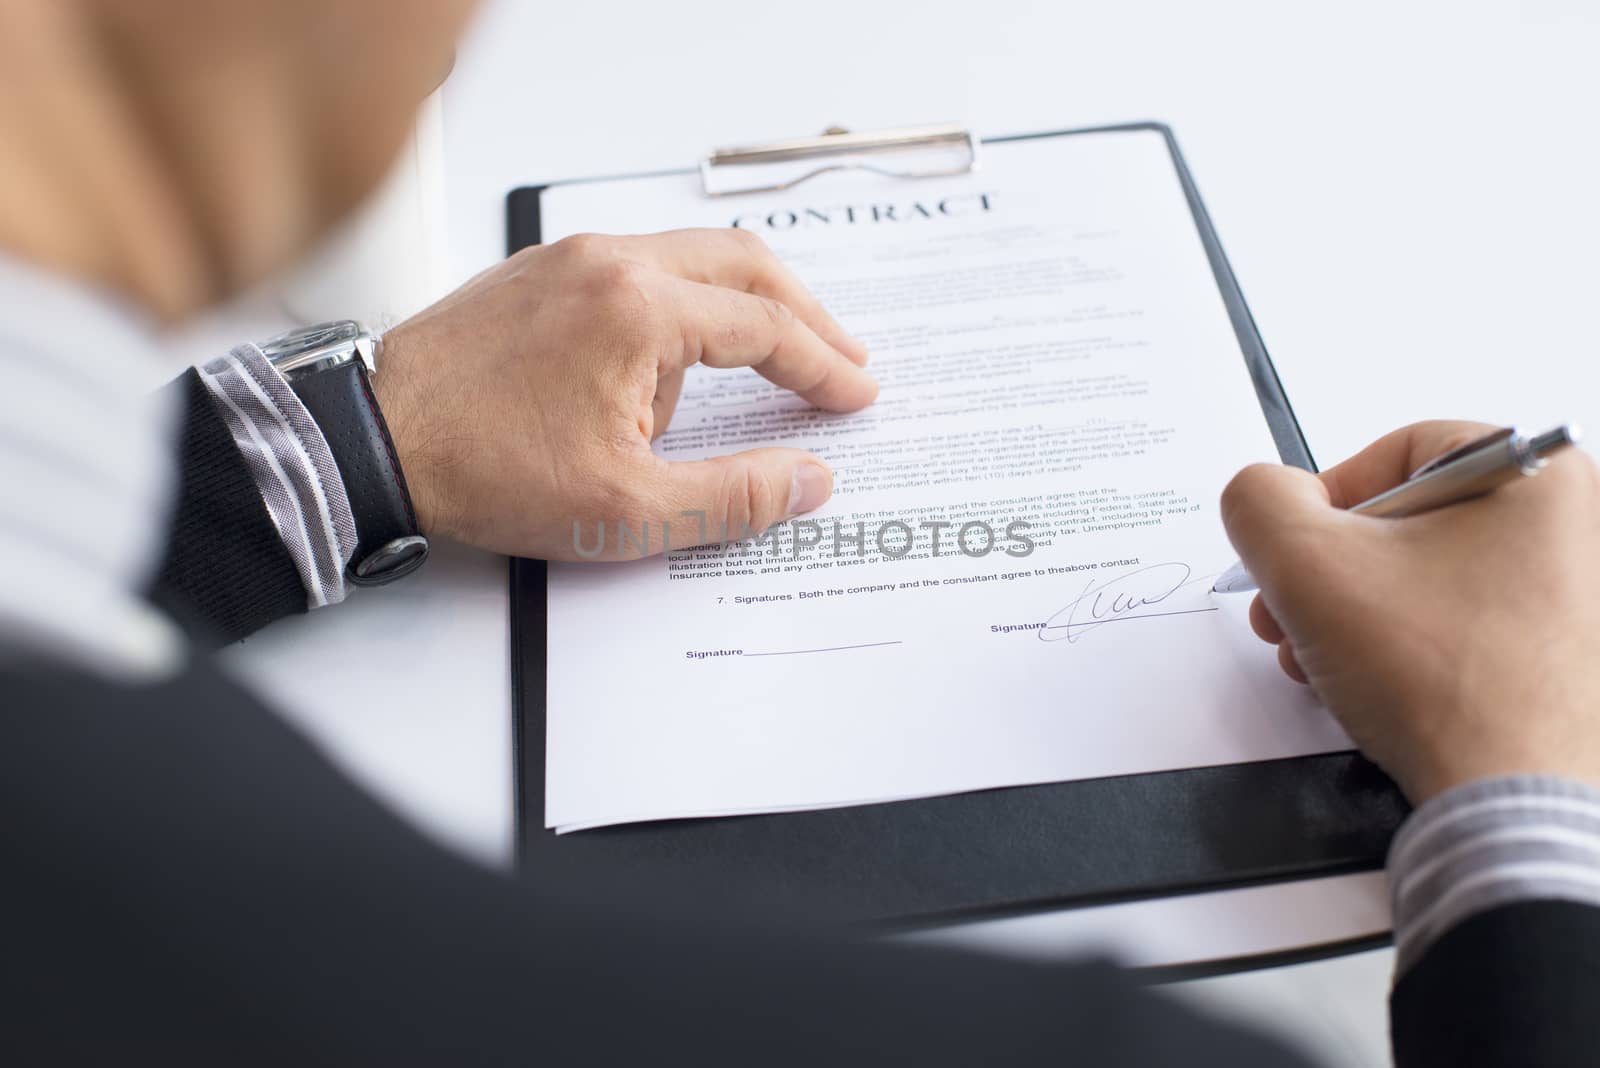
(90, 187)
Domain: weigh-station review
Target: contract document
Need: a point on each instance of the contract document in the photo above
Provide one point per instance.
(1011, 583)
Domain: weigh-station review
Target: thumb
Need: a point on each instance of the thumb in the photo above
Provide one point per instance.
(725, 498)
(1271, 514)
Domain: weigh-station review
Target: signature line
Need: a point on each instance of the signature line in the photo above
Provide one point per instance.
(1119, 619)
(830, 649)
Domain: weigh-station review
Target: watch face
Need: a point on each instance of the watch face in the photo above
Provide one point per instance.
(321, 347)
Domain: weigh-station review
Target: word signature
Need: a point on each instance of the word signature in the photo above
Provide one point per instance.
(1134, 595)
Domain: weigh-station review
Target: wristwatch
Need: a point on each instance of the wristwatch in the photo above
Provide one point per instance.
(330, 367)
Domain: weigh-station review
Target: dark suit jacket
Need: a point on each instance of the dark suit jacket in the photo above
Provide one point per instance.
(186, 878)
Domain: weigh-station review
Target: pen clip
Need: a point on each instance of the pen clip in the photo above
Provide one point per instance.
(1472, 446)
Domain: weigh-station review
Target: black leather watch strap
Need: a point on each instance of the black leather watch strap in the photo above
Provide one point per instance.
(388, 543)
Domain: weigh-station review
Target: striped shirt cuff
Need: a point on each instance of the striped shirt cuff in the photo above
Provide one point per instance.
(1491, 843)
(292, 466)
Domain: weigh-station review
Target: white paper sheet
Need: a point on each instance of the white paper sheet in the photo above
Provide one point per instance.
(1053, 351)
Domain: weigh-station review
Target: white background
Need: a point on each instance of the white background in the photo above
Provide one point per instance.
(1407, 192)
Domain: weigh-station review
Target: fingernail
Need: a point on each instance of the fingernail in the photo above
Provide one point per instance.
(810, 487)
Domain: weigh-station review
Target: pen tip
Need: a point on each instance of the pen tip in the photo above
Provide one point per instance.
(1234, 580)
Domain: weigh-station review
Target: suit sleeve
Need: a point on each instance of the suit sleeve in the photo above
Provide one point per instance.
(226, 572)
(1496, 890)
(1518, 985)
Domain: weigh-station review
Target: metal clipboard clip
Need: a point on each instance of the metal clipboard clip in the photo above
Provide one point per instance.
(908, 152)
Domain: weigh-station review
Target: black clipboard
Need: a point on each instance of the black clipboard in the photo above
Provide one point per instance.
(959, 857)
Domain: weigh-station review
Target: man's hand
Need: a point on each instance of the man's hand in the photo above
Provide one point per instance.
(526, 401)
(1454, 645)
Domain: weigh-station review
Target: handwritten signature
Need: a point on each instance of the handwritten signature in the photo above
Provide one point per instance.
(1133, 595)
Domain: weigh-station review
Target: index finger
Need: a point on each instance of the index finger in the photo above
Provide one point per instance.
(725, 328)
(739, 259)
(1391, 459)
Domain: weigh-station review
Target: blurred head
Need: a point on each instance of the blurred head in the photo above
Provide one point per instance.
(238, 131)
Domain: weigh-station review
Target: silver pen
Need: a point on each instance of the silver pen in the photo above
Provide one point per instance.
(1460, 474)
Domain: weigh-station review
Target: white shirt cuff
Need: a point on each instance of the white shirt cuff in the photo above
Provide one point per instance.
(292, 467)
(1491, 843)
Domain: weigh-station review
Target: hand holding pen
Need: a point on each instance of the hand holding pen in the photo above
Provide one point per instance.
(1453, 641)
